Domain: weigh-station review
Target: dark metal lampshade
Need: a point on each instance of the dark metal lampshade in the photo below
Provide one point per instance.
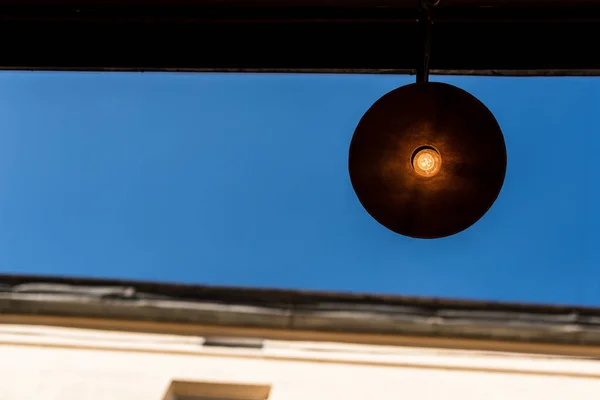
(427, 160)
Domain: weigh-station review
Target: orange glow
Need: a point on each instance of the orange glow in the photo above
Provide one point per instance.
(427, 162)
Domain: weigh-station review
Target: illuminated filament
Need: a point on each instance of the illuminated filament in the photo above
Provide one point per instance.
(426, 161)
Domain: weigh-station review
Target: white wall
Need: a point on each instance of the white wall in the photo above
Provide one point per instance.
(40, 363)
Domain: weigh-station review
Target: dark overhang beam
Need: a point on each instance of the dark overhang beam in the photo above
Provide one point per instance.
(472, 37)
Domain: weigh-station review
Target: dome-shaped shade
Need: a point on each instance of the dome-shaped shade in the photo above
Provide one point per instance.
(427, 160)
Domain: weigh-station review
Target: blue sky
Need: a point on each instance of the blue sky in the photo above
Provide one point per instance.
(242, 180)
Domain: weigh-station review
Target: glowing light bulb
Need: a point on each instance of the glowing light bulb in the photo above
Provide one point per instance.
(426, 161)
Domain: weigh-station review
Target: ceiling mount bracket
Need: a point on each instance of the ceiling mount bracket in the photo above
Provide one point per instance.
(425, 25)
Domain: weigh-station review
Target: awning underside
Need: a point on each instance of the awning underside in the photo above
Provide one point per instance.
(487, 37)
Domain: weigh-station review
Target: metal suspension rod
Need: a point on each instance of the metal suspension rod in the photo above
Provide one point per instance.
(425, 25)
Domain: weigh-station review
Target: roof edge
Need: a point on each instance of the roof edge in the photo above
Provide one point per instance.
(295, 310)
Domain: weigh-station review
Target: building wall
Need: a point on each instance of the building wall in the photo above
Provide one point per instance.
(47, 363)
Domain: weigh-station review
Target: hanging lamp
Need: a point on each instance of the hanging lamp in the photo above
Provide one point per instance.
(428, 159)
